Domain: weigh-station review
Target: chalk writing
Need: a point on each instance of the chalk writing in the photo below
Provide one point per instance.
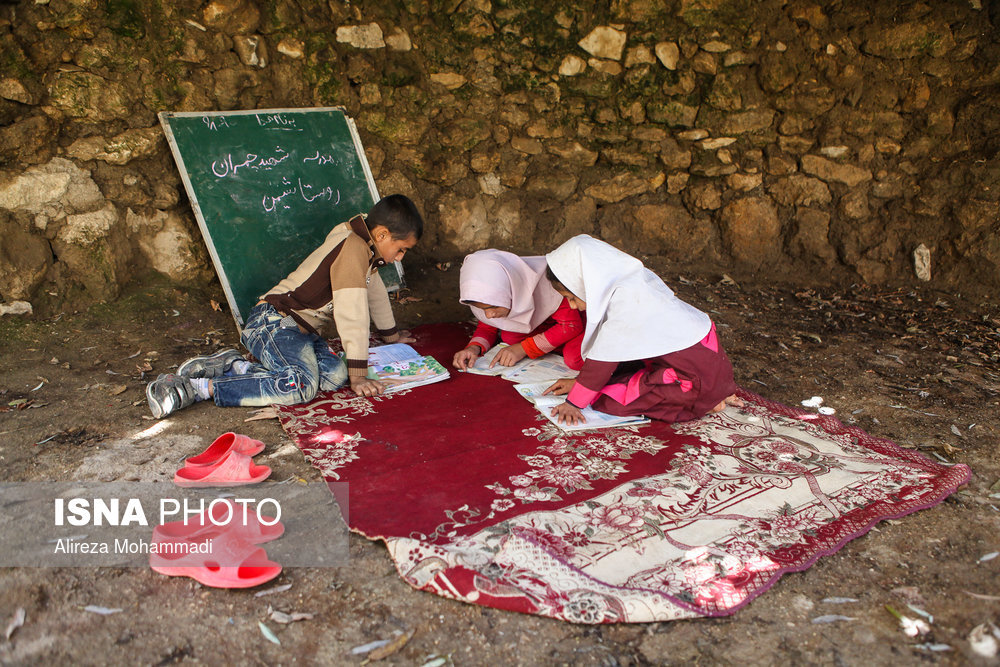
(326, 192)
(271, 161)
(271, 203)
(227, 167)
(320, 159)
(213, 123)
(275, 120)
(309, 193)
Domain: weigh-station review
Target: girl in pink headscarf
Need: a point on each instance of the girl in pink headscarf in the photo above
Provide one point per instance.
(513, 300)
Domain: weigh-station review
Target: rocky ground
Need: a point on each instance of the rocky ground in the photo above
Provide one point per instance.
(916, 366)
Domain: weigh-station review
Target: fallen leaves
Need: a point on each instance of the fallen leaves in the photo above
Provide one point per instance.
(833, 618)
(268, 633)
(16, 404)
(271, 591)
(102, 611)
(16, 622)
(392, 647)
(74, 436)
(270, 412)
(285, 618)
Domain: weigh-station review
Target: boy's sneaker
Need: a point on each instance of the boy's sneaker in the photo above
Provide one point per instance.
(209, 366)
(169, 393)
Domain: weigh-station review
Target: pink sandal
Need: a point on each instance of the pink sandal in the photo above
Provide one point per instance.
(224, 444)
(234, 469)
(221, 562)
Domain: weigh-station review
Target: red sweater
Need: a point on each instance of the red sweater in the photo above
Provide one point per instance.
(562, 326)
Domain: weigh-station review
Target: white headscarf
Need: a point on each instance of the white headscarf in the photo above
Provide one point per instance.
(631, 313)
(501, 278)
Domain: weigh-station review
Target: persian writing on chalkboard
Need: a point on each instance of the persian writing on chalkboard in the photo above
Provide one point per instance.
(267, 186)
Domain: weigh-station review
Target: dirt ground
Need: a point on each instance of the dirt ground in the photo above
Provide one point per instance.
(917, 366)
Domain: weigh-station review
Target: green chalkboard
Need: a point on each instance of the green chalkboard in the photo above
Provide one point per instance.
(267, 186)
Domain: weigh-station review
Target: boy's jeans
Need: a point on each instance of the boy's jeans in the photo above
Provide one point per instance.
(293, 365)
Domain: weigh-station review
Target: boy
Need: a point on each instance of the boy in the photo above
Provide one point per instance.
(337, 286)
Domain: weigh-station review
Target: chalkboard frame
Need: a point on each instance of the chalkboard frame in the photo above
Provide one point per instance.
(393, 277)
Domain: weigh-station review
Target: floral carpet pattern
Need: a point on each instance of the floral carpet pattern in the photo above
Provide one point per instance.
(481, 499)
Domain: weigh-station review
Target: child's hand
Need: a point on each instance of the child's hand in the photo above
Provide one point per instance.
(464, 359)
(366, 387)
(509, 355)
(566, 413)
(560, 387)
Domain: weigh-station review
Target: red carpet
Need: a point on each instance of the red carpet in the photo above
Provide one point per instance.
(480, 499)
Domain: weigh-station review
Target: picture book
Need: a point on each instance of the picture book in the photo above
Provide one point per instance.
(550, 367)
(593, 418)
(399, 366)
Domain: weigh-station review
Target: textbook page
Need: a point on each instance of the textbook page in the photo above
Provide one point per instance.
(548, 367)
(594, 419)
(399, 367)
(482, 365)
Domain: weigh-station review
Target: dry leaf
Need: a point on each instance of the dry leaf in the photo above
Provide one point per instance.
(949, 449)
(144, 367)
(283, 618)
(117, 389)
(982, 596)
(15, 622)
(263, 413)
(270, 591)
(215, 305)
(392, 647)
(268, 633)
(103, 611)
(833, 618)
(726, 280)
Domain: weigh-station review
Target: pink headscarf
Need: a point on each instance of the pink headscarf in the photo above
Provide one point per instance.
(501, 278)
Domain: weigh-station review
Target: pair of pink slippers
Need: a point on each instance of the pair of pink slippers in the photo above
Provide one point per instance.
(218, 547)
(226, 462)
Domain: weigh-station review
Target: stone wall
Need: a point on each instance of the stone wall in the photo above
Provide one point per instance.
(812, 141)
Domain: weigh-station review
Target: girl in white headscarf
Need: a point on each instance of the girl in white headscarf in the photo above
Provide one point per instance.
(646, 352)
(513, 301)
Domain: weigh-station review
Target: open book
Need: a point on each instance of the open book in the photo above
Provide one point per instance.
(399, 366)
(594, 419)
(550, 367)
